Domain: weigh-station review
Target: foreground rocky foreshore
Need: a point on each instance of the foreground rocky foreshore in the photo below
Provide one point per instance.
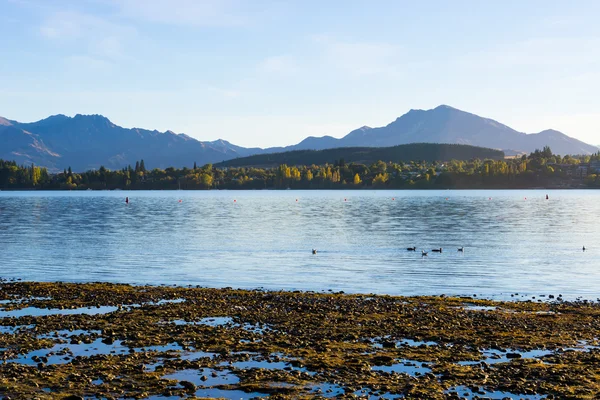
(100, 340)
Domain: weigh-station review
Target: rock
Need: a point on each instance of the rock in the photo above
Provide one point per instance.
(513, 355)
(189, 386)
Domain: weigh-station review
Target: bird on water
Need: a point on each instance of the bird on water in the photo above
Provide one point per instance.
(461, 249)
(423, 253)
(314, 251)
(437, 250)
(412, 248)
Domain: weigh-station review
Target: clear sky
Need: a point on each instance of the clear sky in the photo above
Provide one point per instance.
(269, 73)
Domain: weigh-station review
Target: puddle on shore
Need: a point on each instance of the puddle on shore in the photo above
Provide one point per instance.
(205, 377)
(12, 330)
(498, 356)
(381, 343)
(64, 353)
(187, 356)
(196, 355)
(43, 312)
(409, 367)
(227, 394)
(257, 364)
(215, 321)
(473, 307)
(91, 310)
(226, 322)
(327, 390)
(161, 302)
(20, 300)
(330, 390)
(64, 333)
(463, 391)
(370, 395)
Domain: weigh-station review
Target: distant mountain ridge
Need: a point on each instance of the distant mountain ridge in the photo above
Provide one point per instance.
(445, 124)
(88, 141)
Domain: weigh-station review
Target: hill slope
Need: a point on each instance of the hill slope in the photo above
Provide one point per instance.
(367, 155)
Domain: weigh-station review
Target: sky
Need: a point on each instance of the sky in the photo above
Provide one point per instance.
(270, 73)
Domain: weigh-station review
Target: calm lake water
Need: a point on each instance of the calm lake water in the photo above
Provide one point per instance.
(515, 241)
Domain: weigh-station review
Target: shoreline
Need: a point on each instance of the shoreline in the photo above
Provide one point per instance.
(120, 340)
(506, 296)
(582, 187)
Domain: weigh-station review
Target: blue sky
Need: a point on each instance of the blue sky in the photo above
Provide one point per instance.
(269, 73)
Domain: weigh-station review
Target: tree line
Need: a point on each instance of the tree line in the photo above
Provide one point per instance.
(538, 169)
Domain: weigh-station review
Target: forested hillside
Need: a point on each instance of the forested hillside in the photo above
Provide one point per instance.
(367, 155)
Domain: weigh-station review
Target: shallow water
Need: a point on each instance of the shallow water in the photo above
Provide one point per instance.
(515, 241)
(41, 312)
(486, 394)
(409, 367)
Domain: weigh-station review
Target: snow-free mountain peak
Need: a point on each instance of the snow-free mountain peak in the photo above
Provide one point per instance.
(89, 141)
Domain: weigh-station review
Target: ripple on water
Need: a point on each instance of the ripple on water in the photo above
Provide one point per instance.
(533, 245)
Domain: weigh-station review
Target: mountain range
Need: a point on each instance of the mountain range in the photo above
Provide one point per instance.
(88, 141)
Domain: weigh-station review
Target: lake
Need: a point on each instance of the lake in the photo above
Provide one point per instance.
(515, 241)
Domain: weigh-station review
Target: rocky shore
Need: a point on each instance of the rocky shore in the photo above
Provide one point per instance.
(101, 340)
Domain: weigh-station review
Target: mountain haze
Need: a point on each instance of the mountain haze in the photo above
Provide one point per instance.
(89, 141)
(445, 124)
